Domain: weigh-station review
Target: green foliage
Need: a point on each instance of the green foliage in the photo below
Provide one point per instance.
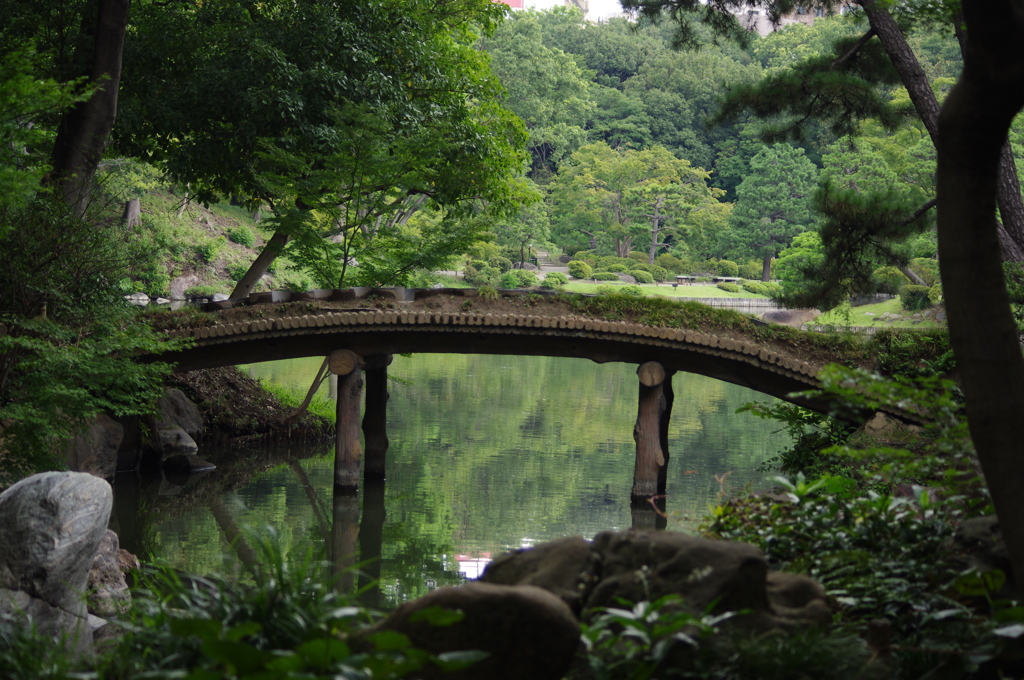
(606, 290)
(616, 267)
(66, 355)
(201, 291)
(927, 268)
(502, 264)
(750, 270)
(638, 643)
(889, 279)
(579, 270)
(242, 235)
(555, 279)
(519, 278)
(637, 256)
(641, 276)
(283, 620)
(604, 276)
(729, 287)
(209, 250)
(755, 287)
(810, 431)
(670, 263)
(631, 291)
(728, 268)
(659, 273)
(237, 270)
(915, 298)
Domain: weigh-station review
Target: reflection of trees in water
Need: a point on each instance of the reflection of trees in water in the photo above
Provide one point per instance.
(489, 451)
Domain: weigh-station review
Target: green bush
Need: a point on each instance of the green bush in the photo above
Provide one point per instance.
(603, 262)
(640, 266)
(671, 263)
(618, 267)
(606, 290)
(518, 278)
(729, 287)
(604, 276)
(580, 270)
(636, 256)
(502, 264)
(641, 276)
(555, 279)
(242, 235)
(755, 287)
(728, 268)
(914, 298)
(632, 291)
(201, 291)
(660, 273)
(209, 251)
(889, 279)
(477, 264)
(773, 289)
(751, 270)
(237, 270)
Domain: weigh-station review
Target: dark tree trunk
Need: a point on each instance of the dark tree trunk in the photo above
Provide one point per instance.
(919, 89)
(975, 119)
(84, 129)
(132, 213)
(260, 265)
(766, 269)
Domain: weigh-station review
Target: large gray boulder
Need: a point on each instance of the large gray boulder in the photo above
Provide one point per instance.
(175, 409)
(527, 632)
(51, 526)
(645, 565)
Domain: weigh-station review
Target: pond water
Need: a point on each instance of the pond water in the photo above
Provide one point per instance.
(487, 454)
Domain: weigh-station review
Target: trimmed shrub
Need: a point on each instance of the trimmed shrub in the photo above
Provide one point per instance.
(729, 287)
(641, 276)
(889, 279)
(728, 268)
(242, 235)
(914, 298)
(580, 270)
(660, 273)
(755, 288)
(502, 264)
(606, 290)
(477, 264)
(636, 256)
(774, 289)
(518, 278)
(509, 279)
(555, 279)
(619, 267)
(604, 276)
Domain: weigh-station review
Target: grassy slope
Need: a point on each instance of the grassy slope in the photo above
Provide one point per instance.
(870, 315)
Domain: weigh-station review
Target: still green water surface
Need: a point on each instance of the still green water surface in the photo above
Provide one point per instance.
(487, 454)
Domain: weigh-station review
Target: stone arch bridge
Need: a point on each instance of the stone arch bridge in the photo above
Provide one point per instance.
(360, 340)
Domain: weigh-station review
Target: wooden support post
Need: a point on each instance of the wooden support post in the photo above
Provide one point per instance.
(375, 416)
(371, 542)
(344, 537)
(348, 451)
(650, 458)
(668, 397)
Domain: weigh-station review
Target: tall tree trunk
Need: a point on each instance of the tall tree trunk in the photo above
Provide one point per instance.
(974, 122)
(260, 265)
(84, 129)
(766, 269)
(919, 89)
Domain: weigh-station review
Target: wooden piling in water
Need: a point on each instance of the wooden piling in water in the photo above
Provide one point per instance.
(650, 455)
(375, 417)
(348, 451)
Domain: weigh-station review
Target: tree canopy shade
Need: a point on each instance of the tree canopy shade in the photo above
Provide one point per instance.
(362, 110)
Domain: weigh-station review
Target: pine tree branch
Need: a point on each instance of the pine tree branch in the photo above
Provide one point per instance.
(854, 50)
(919, 213)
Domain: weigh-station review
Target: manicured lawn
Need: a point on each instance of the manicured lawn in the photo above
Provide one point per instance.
(664, 289)
(869, 315)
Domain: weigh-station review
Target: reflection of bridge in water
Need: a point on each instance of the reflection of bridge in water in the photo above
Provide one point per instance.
(359, 342)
